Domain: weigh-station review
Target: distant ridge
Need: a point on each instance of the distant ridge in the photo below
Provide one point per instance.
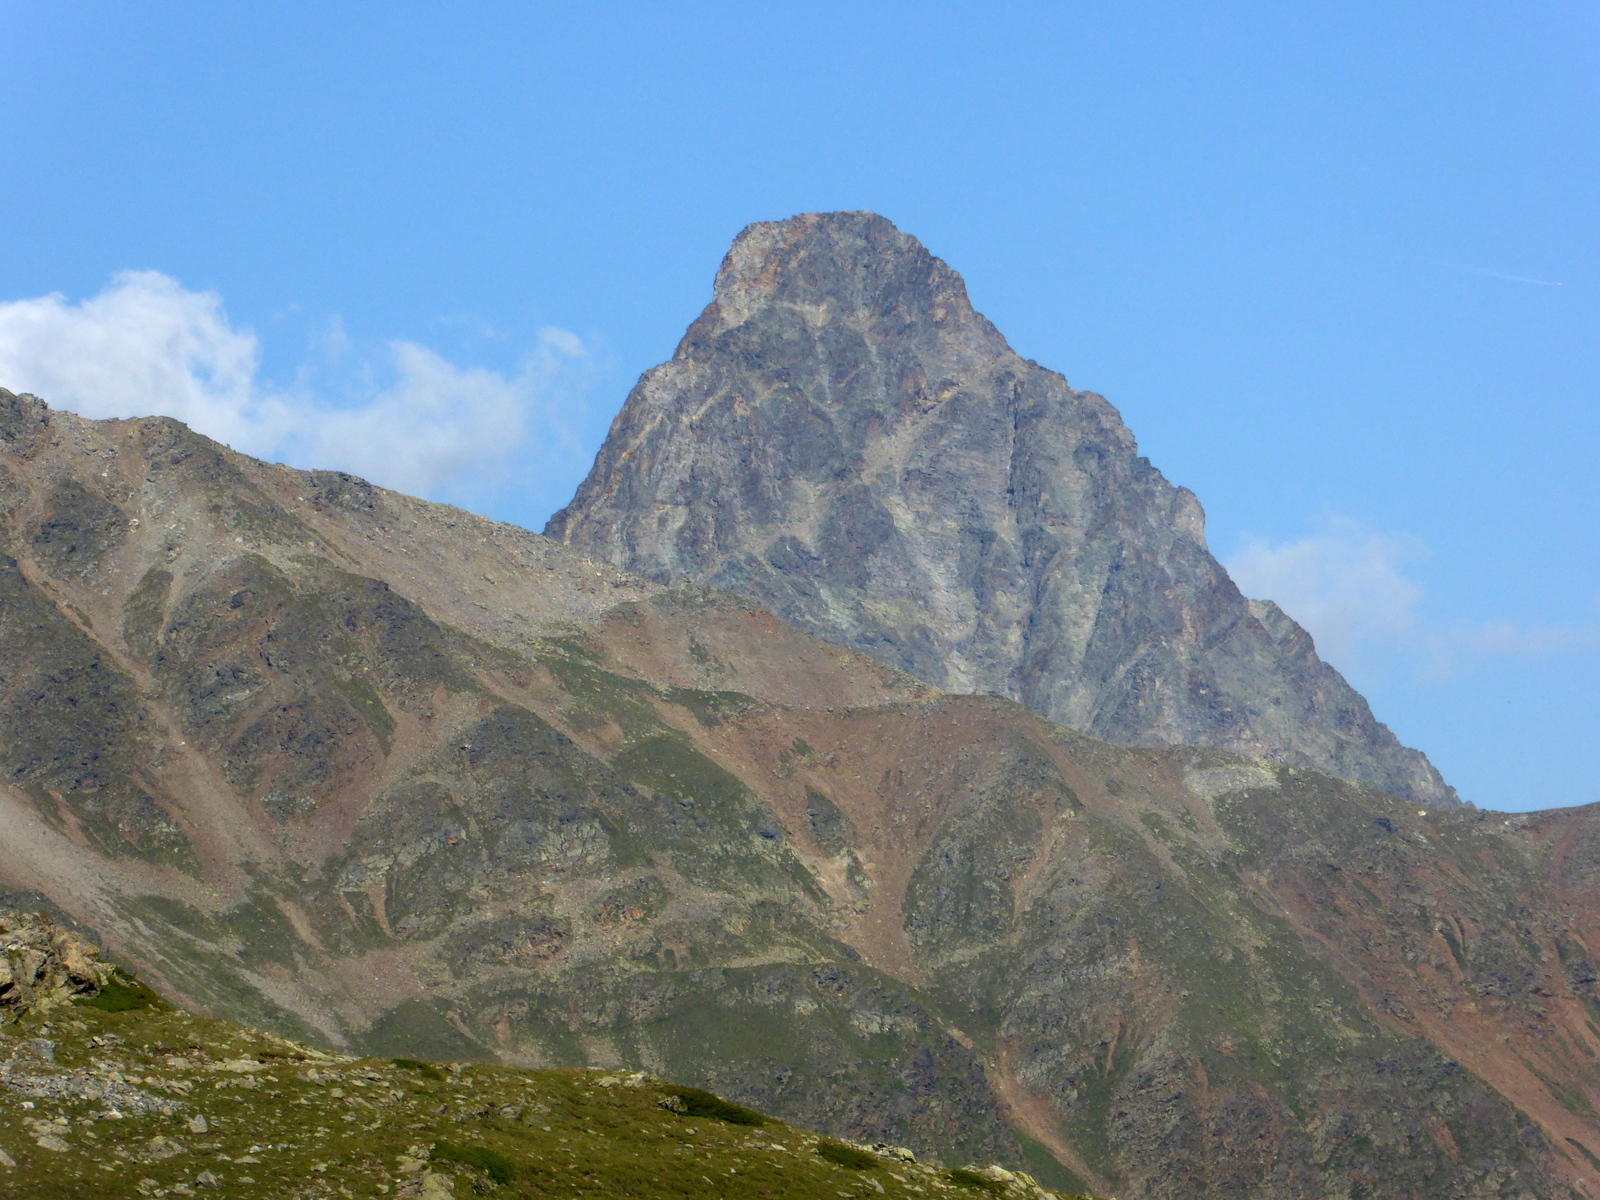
(843, 439)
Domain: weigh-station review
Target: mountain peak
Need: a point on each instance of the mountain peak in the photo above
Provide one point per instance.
(850, 266)
(843, 439)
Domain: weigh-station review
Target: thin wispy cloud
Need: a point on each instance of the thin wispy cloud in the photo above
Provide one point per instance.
(1510, 638)
(1501, 275)
(1353, 589)
(403, 416)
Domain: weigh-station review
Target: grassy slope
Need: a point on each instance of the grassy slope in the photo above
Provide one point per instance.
(281, 1120)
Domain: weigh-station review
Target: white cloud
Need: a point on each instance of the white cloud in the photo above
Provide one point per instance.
(1347, 585)
(439, 425)
(146, 345)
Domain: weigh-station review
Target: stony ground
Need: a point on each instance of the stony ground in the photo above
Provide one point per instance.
(157, 1102)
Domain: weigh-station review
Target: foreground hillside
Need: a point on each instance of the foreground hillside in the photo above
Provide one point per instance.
(109, 1095)
(388, 779)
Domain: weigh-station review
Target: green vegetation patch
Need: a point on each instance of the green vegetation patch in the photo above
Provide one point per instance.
(712, 708)
(115, 997)
(362, 697)
(497, 1166)
(426, 1070)
(144, 613)
(698, 1103)
(972, 1181)
(598, 696)
(417, 1026)
(848, 1156)
(671, 766)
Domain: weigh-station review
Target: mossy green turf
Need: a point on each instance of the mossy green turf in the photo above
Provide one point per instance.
(289, 1123)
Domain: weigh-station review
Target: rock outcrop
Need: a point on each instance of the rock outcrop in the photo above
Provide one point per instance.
(44, 965)
(843, 439)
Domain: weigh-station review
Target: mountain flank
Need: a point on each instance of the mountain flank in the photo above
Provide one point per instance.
(843, 439)
(391, 780)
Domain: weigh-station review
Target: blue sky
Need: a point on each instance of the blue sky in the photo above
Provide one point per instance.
(1337, 264)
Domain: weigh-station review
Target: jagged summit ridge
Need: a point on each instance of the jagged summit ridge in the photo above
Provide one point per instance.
(813, 260)
(843, 438)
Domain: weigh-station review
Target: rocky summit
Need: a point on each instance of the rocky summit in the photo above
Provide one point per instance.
(843, 439)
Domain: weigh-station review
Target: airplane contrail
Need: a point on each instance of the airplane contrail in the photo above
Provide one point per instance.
(1500, 275)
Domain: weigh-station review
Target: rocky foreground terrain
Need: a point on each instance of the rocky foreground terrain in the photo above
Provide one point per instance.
(107, 1092)
(843, 439)
(379, 777)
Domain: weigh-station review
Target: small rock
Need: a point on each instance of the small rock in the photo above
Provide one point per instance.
(41, 1048)
(197, 1124)
(6, 1160)
(207, 1180)
(436, 1187)
(672, 1104)
(50, 1142)
(163, 1147)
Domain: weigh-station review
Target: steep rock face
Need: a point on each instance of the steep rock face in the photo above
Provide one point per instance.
(842, 438)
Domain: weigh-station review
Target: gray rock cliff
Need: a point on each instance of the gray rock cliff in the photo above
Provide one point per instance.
(843, 439)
